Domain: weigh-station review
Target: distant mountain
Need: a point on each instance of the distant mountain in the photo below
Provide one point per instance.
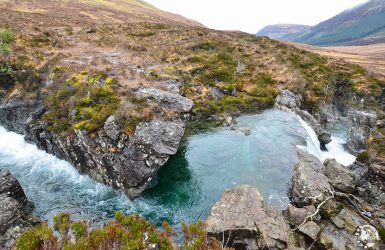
(95, 11)
(283, 31)
(363, 24)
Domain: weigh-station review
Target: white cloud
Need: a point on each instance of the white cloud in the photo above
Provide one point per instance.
(252, 15)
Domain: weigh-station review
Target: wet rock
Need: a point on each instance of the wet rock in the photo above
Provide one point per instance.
(14, 215)
(339, 176)
(360, 125)
(11, 187)
(289, 101)
(324, 137)
(14, 114)
(167, 99)
(245, 130)
(310, 229)
(242, 217)
(308, 184)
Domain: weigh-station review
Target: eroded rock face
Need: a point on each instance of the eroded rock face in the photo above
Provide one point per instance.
(339, 176)
(242, 218)
(14, 114)
(14, 216)
(309, 184)
(289, 101)
(361, 125)
(113, 158)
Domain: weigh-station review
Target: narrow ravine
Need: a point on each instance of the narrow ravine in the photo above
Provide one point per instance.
(190, 183)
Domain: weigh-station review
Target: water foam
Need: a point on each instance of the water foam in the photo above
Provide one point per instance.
(335, 149)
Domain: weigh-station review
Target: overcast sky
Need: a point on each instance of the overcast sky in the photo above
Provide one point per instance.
(253, 15)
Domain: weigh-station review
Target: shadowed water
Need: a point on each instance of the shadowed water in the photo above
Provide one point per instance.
(187, 186)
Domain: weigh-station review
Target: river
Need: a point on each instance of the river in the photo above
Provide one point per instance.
(189, 184)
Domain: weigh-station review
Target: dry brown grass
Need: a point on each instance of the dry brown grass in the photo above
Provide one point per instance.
(371, 57)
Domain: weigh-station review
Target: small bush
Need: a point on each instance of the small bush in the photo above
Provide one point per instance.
(125, 232)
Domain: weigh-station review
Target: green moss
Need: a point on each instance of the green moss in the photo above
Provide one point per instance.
(81, 103)
(381, 233)
(35, 238)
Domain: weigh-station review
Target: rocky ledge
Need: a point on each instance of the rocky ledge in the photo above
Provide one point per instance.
(360, 123)
(110, 156)
(329, 210)
(15, 214)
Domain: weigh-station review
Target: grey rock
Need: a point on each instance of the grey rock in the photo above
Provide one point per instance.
(15, 113)
(378, 169)
(217, 93)
(339, 176)
(360, 125)
(14, 215)
(380, 124)
(11, 187)
(288, 100)
(324, 137)
(310, 229)
(111, 129)
(242, 217)
(308, 184)
(296, 216)
(167, 99)
(124, 163)
(245, 130)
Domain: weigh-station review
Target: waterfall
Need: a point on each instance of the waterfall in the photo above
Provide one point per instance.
(335, 149)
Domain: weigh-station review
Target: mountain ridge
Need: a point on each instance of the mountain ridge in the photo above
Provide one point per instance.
(361, 25)
(96, 11)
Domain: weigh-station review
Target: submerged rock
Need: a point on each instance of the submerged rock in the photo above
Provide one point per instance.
(243, 219)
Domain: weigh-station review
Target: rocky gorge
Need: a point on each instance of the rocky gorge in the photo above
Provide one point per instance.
(114, 101)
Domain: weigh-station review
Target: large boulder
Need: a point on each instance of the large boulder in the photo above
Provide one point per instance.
(309, 184)
(243, 220)
(339, 176)
(360, 125)
(110, 155)
(14, 215)
(167, 99)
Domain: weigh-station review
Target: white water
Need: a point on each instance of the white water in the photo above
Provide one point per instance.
(191, 185)
(335, 149)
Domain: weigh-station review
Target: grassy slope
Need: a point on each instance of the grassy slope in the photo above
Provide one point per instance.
(111, 60)
(366, 27)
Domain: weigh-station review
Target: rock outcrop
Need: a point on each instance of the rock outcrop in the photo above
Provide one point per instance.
(244, 221)
(339, 176)
(360, 125)
(289, 101)
(14, 114)
(309, 183)
(14, 212)
(333, 219)
(110, 156)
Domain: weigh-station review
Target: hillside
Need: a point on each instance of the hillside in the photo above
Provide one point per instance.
(361, 25)
(92, 11)
(283, 31)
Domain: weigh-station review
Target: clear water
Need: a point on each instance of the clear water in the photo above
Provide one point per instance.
(187, 186)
